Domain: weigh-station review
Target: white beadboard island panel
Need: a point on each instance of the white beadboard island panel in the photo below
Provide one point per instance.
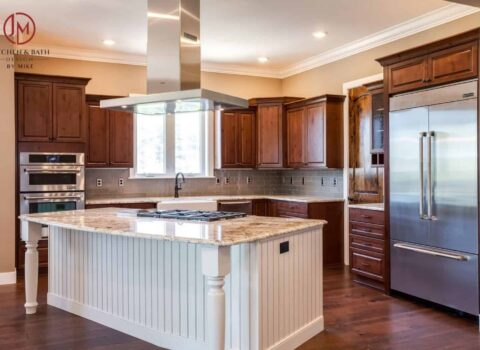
(155, 290)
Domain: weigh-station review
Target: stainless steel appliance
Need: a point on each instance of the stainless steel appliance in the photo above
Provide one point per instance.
(51, 182)
(433, 195)
(42, 172)
(194, 215)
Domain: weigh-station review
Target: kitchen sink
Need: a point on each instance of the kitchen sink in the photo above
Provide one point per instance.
(187, 204)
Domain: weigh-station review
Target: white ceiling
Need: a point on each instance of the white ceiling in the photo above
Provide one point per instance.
(234, 32)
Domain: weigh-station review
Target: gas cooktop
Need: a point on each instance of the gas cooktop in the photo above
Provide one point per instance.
(195, 215)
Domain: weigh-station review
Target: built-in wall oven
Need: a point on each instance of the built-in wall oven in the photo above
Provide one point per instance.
(51, 182)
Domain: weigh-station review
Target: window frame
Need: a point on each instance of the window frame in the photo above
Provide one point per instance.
(207, 149)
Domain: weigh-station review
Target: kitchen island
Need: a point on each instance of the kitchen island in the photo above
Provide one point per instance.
(246, 283)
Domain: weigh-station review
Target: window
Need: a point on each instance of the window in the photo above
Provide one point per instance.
(167, 144)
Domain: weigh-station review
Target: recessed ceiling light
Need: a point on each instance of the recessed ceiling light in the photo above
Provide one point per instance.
(108, 42)
(320, 35)
(162, 15)
(263, 59)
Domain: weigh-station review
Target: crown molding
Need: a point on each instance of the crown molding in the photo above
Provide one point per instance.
(418, 24)
(91, 55)
(240, 70)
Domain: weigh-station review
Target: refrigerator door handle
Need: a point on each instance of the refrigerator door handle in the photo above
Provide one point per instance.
(430, 137)
(421, 136)
(420, 249)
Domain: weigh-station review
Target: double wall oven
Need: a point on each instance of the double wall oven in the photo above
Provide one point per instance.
(51, 182)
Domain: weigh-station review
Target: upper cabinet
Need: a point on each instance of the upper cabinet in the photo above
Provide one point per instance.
(314, 132)
(270, 130)
(110, 136)
(449, 60)
(238, 144)
(50, 108)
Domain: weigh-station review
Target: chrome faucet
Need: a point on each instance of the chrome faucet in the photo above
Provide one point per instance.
(178, 184)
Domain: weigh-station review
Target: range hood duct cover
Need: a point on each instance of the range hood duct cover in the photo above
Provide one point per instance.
(174, 65)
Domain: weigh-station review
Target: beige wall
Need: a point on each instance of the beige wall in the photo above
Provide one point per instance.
(242, 85)
(329, 78)
(122, 79)
(7, 166)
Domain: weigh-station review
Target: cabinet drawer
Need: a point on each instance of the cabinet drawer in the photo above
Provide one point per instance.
(367, 243)
(368, 264)
(291, 209)
(368, 216)
(368, 230)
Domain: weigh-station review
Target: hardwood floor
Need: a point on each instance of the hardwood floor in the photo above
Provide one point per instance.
(356, 317)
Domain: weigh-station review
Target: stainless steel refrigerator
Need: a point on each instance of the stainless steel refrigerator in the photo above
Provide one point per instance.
(433, 195)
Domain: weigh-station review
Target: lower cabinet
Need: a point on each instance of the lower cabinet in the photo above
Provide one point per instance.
(332, 212)
(367, 247)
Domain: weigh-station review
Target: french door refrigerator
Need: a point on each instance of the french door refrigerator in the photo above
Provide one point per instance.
(433, 195)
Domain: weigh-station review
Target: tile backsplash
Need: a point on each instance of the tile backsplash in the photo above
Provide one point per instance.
(324, 182)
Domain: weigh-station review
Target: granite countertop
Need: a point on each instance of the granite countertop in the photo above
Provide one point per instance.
(124, 222)
(369, 206)
(292, 198)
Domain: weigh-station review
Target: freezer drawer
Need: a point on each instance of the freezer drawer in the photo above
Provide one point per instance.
(445, 277)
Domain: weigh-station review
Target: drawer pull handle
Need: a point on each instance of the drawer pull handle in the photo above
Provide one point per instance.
(366, 216)
(420, 249)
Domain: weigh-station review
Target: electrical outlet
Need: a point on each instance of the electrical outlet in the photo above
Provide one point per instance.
(226, 180)
(334, 182)
(249, 180)
(217, 181)
(121, 182)
(322, 181)
(99, 182)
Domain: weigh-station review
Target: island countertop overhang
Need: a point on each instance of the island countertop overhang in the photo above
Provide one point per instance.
(124, 222)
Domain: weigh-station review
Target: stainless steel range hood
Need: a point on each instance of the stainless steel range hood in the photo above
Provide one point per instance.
(173, 65)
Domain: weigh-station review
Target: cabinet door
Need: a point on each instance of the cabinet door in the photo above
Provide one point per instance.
(453, 64)
(246, 139)
(408, 75)
(295, 138)
(98, 137)
(315, 123)
(269, 136)
(34, 108)
(69, 121)
(121, 139)
(229, 140)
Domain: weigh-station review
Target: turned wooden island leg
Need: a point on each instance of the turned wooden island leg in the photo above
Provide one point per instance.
(31, 234)
(215, 266)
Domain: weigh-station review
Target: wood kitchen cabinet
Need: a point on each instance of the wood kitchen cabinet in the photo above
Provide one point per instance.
(368, 248)
(110, 136)
(332, 212)
(314, 132)
(50, 108)
(445, 61)
(238, 139)
(271, 130)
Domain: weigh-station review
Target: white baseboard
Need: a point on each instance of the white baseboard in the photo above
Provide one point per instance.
(8, 277)
(299, 337)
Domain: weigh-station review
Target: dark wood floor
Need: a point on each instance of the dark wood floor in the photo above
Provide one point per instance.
(356, 317)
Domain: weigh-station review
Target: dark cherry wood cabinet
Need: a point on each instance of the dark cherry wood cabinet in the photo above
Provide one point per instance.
(238, 143)
(367, 247)
(110, 136)
(270, 130)
(445, 61)
(121, 139)
(141, 205)
(34, 110)
(314, 132)
(50, 108)
(332, 212)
